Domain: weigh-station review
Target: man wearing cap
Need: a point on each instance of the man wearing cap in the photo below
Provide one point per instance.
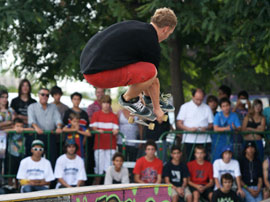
(251, 169)
(69, 168)
(228, 165)
(35, 172)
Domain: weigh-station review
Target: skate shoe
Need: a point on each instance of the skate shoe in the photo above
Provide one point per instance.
(135, 106)
(164, 102)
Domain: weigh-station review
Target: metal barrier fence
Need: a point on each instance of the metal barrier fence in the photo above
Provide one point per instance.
(47, 138)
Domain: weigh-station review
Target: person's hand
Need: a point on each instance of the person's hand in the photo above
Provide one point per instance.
(203, 129)
(115, 132)
(180, 191)
(238, 103)
(241, 193)
(228, 128)
(200, 188)
(159, 114)
(100, 131)
(39, 130)
(58, 130)
(253, 192)
(233, 126)
(193, 129)
(77, 128)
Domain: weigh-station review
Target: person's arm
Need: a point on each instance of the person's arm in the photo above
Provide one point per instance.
(190, 183)
(217, 183)
(239, 184)
(80, 183)
(63, 182)
(70, 130)
(159, 179)
(137, 179)
(5, 124)
(180, 124)
(125, 178)
(85, 133)
(244, 124)
(237, 105)
(37, 129)
(209, 184)
(261, 127)
(265, 174)
(108, 177)
(221, 129)
(98, 130)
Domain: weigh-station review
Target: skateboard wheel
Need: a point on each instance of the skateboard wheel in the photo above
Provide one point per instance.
(130, 119)
(151, 126)
(165, 118)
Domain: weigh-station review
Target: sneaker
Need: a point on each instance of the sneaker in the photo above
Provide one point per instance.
(164, 104)
(135, 106)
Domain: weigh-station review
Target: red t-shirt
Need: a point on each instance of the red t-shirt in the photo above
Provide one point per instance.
(200, 174)
(148, 171)
(105, 122)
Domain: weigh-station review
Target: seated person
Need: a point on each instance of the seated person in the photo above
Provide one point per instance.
(77, 132)
(201, 175)
(117, 174)
(69, 167)
(35, 172)
(176, 173)
(228, 165)
(225, 193)
(148, 169)
(251, 169)
(266, 178)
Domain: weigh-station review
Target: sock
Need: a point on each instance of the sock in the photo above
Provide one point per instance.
(133, 100)
(147, 97)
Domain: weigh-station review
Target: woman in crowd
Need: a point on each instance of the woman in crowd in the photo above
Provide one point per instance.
(21, 103)
(6, 113)
(255, 122)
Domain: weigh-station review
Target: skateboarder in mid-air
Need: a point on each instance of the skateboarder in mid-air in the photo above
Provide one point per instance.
(128, 53)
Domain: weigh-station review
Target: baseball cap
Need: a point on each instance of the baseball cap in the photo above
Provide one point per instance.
(250, 144)
(70, 142)
(37, 142)
(226, 148)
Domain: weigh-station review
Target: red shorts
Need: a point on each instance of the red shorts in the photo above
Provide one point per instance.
(131, 74)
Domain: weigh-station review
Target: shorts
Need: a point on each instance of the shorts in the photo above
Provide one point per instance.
(103, 159)
(186, 192)
(130, 74)
(204, 194)
(12, 164)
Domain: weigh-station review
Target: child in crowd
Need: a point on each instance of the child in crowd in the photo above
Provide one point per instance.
(228, 165)
(224, 120)
(105, 144)
(148, 169)
(117, 174)
(176, 173)
(16, 149)
(69, 168)
(225, 193)
(201, 175)
(77, 132)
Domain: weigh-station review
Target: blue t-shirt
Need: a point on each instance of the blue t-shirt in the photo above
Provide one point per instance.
(266, 113)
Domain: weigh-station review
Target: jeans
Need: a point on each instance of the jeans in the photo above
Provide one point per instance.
(249, 197)
(30, 188)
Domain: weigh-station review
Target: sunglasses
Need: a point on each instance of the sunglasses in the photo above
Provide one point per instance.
(44, 94)
(38, 149)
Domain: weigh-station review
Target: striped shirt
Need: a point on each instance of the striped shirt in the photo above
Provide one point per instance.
(106, 122)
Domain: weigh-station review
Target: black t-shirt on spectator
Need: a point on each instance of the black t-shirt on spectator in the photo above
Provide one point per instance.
(176, 173)
(21, 106)
(219, 196)
(250, 171)
(83, 117)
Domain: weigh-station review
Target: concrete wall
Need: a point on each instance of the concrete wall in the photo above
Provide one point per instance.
(108, 193)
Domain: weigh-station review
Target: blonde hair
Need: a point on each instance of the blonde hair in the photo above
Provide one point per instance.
(164, 17)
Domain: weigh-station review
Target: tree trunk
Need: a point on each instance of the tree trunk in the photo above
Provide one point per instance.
(176, 75)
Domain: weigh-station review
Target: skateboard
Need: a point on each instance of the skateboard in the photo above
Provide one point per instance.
(142, 120)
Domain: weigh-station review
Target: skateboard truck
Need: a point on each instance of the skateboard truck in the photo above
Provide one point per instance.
(151, 126)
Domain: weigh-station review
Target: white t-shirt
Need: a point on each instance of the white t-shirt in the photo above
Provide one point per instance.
(70, 170)
(193, 115)
(220, 168)
(35, 170)
(121, 176)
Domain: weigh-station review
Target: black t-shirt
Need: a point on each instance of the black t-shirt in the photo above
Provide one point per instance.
(83, 117)
(21, 106)
(219, 196)
(119, 45)
(176, 173)
(250, 171)
(159, 129)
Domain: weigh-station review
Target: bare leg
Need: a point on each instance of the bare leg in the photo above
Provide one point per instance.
(196, 196)
(153, 91)
(175, 198)
(135, 89)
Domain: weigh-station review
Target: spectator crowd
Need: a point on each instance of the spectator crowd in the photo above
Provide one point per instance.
(210, 160)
